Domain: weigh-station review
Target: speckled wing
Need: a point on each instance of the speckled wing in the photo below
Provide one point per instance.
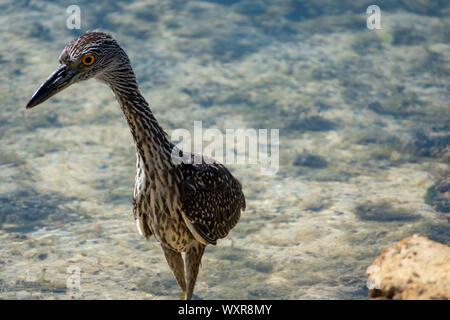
(211, 200)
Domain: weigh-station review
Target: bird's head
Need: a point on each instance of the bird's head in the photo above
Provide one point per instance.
(93, 55)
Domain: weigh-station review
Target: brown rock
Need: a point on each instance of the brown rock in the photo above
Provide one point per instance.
(414, 268)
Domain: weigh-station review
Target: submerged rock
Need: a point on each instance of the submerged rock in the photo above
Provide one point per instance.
(430, 144)
(414, 268)
(383, 211)
(311, 123)
(438, 196)
(310, 160)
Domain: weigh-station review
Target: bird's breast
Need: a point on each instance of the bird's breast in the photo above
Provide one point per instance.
(159, 208)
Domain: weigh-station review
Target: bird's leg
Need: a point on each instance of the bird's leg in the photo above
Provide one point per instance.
(175, 261)
(193, 259)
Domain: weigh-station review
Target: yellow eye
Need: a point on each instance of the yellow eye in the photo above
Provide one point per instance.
(88, 59)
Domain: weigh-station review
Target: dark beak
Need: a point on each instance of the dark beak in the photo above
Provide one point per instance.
(59, 80)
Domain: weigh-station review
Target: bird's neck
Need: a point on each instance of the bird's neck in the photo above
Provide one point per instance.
(152, 144)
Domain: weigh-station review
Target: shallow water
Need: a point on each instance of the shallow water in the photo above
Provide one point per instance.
(364, 125)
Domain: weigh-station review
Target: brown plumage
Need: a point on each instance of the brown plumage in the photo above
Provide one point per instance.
(184, 205)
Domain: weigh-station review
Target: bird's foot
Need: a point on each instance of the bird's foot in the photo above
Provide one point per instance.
(183, 295)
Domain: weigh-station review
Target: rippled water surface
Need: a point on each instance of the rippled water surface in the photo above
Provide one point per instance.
(364, 126)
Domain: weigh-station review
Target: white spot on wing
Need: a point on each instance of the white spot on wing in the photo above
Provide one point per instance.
(138, 227)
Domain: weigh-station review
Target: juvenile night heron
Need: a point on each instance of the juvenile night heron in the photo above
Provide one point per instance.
(185, 204)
